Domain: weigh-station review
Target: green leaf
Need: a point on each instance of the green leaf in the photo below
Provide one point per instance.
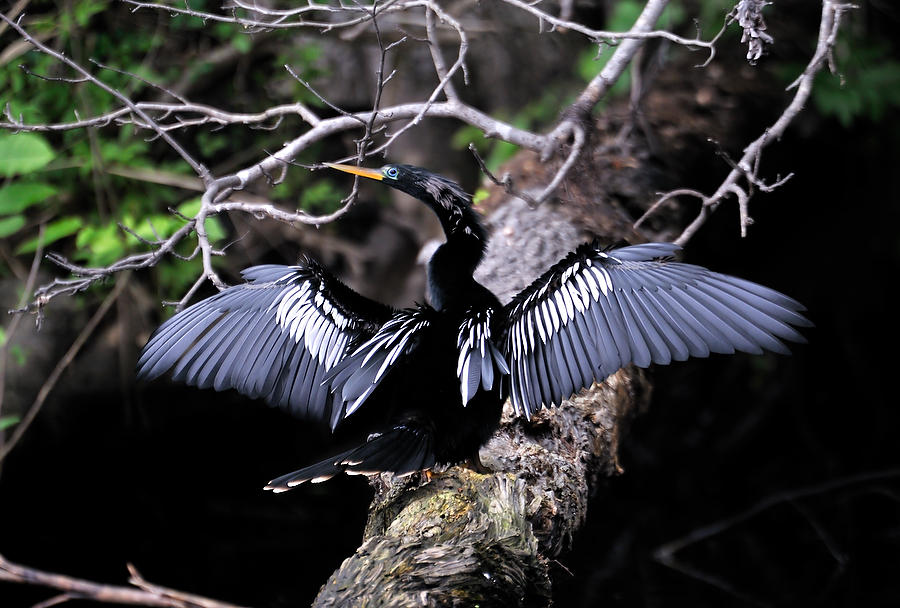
(23, 153)
(8, 421)
(11, 225)
(55, 231)
(16, 198)
(501, 152)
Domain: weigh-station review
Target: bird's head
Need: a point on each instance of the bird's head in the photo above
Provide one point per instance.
(446, 198)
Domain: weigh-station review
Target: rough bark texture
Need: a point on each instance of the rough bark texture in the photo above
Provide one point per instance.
(467, 539)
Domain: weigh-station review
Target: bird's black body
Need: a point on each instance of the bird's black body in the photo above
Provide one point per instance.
(435, 376)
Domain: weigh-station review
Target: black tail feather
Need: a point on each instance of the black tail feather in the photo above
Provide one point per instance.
(402, 450)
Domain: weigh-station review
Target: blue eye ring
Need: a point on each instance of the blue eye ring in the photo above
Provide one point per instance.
(391, 172)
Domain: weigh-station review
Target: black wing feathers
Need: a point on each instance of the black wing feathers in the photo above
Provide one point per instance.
(402, 449)
(479, 359)
(596, 311)
(357, 376)
(274, 337)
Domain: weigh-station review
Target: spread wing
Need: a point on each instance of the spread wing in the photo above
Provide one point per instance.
(357, 376)
(274, 337)
(596, 311)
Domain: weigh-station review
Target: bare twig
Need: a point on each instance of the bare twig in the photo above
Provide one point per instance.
(277, 19)
(198, 168)
(205, 114)
(573, 125)
(602, 36)
(146, 594)
(568, 137)
(505, 182)
(747, 167)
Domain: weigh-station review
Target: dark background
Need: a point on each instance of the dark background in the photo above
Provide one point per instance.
(169, 478)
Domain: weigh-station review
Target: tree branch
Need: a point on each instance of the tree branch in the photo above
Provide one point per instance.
(147, 594)
(747, 168)
(197, 167)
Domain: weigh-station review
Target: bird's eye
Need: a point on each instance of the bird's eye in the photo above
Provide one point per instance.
(391, 172)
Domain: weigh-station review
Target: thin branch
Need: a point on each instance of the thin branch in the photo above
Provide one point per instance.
(76, 588)
(206, 115)
(85, 277)
(437, 57)
(747, 167)
(578, 140)
(603, 36)
(280, 19)
(506, 182)
(458, 65)
(666, 554)
(569, 136)
(198, 168)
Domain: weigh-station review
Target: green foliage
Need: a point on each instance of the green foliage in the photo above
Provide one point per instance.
(69, 181)
(677, 16)
(55, 230)
(19, 196)
(11, 225)
(23, 153)
(867, 86)
(591, 62)
(532, 116)
(494, 152)
(214, 229)
(711, 16)
(321, 196)
(16, 353)
(177, 278)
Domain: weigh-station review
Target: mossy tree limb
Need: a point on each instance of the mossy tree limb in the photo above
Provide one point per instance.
(467, 539)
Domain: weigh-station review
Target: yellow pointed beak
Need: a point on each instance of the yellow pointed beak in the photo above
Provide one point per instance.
(361, 171)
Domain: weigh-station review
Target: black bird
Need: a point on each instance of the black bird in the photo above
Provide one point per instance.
(438, 374)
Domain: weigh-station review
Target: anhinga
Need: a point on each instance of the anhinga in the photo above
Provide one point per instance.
(439, 373)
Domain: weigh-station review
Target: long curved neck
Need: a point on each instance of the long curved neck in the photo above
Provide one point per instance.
(450, 281)
(450, 268)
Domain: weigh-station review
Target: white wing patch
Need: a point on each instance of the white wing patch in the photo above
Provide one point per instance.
(550, 334)
(306, 314)
(360, 373)
(542, 314)
(478, 359)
